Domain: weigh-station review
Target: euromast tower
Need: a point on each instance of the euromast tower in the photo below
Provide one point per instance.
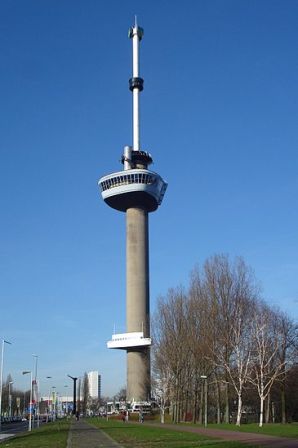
(137, 191)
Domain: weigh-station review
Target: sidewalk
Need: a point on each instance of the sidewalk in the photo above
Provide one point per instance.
(244, 437)
(82, 435)
(5, 436)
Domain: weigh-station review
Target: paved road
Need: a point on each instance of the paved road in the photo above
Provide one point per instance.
(14, 427)
(10, 429)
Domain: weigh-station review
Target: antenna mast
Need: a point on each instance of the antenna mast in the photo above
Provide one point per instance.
(136, 82)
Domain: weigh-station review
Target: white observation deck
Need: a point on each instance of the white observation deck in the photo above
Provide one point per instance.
(133, 188)
(129, 340)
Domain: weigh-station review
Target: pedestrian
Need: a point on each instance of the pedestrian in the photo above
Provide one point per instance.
(141, 416)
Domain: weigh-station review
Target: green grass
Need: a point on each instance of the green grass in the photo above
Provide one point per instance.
(51, 435)
(272, 429)
(135, 435)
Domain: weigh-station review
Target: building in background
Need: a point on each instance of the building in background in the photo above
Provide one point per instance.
(94, 383)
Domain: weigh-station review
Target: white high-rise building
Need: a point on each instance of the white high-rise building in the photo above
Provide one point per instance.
(94, 383)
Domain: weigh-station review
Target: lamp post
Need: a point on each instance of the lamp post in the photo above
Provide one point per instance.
(25, 372)
(79, 400)
(204, 377)
(66, 404)
(74, 409)
(24, 404)
(1, 376)
(53, 403)
(9, 398)
(57, 404)
(35, 390)
(49, 395)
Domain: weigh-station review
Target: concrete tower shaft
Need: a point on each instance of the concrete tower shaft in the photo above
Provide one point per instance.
(137, 302)
(137, 271)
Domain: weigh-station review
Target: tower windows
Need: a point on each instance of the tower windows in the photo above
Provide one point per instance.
(126, 179)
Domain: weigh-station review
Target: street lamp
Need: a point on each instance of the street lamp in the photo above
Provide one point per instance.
(57, 404)
(49, 395)
(35, 390)
(204, 377)
(53, 403)
(9, 399)
(25, 372)
(1, 376)
(24, 404)
(74, 409)
(66, 404)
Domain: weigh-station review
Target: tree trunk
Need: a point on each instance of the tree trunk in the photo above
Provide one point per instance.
(283, 403)
(177, 418)
(267, 413)
(273, 412)
(195, 407)
(227, 407)
(217, 398)
(239, 410)
(162, 415)
(201, 406)
(261, 411)
(218, 419)
(177, 404)
(186, 405)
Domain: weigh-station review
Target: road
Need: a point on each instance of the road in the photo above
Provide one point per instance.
(9, 429)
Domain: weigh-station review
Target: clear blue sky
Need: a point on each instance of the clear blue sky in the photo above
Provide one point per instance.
(219, 115)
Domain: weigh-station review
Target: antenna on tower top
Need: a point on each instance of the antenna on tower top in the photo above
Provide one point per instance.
(136, 82)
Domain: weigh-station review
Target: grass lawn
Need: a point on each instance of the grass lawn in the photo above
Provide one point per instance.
(135, 435)
(50, 435)
(273, 429)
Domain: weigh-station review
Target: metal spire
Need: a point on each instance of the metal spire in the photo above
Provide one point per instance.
(136, 83)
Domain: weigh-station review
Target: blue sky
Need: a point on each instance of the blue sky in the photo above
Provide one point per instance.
(219, 116)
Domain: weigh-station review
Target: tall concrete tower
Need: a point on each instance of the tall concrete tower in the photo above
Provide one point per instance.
(135, 191)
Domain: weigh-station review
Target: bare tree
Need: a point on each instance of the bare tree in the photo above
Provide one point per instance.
(239, 365)
(162, 387)
(266, 364)
(220, 328)
(230, 286)
(170, 331)
(201, 337)
(121, 394)
(288, 343)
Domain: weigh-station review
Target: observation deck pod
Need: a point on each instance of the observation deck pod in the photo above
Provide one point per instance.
(129, 340)
(133, 188)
